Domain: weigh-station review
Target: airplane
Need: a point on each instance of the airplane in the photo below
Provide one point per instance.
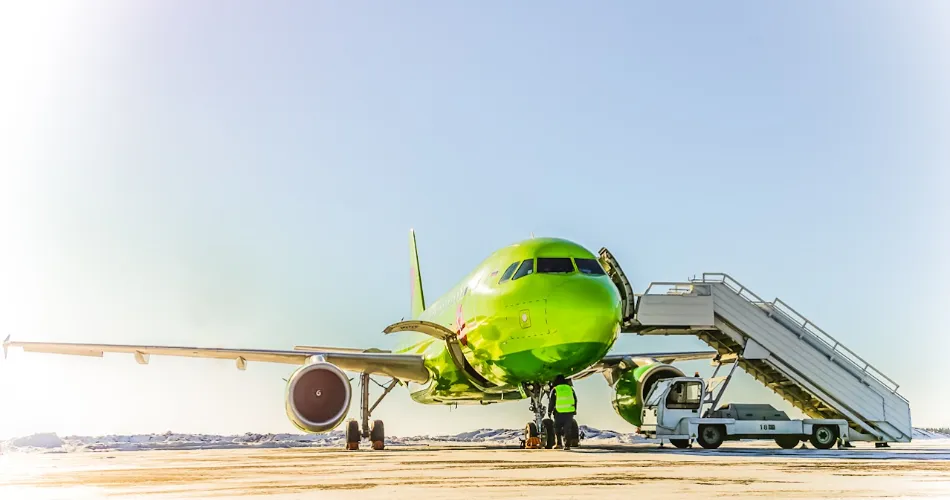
(529, 312)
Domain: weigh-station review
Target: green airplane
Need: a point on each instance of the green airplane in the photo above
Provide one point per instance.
(531, 311)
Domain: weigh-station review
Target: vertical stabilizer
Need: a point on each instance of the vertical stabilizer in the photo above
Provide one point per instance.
(418, 300)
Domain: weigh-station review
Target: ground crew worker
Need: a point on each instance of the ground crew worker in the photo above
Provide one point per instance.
(563, 405)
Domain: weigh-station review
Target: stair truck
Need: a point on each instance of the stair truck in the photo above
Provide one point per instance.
(681, 410)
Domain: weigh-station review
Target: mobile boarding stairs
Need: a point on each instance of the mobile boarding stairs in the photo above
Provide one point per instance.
(775, 344)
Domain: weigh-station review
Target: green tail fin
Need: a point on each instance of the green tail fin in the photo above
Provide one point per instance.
(418, 300)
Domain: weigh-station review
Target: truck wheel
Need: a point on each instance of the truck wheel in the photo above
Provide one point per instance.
(823, 437)
(788, 442)
(711, 436)
(548, 437)
(680, 443)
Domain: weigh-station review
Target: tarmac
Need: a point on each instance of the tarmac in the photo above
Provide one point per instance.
(750, 470)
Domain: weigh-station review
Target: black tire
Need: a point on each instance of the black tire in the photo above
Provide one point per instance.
(680, 443)
(788, 442)
(574, 434)
(823, 437)
(377, 433)
(352, 432)
(548, 437)
(711, 436)
(531, 430)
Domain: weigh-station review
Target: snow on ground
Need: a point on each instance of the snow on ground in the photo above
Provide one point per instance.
(52, 443)
(925, 434)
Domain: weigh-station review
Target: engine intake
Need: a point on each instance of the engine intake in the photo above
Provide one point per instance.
(318, 397)
(633, 386)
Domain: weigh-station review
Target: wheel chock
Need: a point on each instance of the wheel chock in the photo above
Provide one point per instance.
(353, 446)
(378, 445)
(533, 443)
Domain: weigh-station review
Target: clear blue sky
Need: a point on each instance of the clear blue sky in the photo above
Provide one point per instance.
(245, 175)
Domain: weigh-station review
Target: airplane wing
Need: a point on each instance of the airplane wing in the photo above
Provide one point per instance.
(662, 357)
(409, 367)
(613, 360)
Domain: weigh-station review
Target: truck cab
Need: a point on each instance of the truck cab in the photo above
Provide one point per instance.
(670, 402)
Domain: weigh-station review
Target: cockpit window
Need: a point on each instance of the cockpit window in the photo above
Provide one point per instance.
(588, 266)
(555, 265)
(526, 268)
(508, 272)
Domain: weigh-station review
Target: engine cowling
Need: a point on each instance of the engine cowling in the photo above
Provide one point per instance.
(318, 397)
(633, 386)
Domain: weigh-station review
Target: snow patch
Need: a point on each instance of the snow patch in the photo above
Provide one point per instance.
(927, 434)
(47, 440)
(51, 443)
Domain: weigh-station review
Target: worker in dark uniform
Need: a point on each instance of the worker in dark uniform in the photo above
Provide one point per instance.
(563, 406)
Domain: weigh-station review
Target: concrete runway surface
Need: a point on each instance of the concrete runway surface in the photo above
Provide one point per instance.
(916, 470)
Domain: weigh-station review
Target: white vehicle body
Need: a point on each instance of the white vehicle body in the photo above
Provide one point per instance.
(674, 411)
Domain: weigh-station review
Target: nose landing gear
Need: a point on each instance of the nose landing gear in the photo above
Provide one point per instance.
(538, 433)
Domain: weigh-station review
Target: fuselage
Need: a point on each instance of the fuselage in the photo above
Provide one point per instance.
(529, 312)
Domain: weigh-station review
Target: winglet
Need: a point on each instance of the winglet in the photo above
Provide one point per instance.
(6, 346)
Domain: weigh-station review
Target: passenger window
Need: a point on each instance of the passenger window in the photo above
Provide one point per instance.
(526, 268)
(508, 272)
(589, 266)
(555, 265)
(685, 396)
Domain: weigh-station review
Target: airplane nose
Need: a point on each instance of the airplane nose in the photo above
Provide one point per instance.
(584, 309)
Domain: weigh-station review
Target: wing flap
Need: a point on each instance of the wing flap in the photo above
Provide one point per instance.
(63, 350)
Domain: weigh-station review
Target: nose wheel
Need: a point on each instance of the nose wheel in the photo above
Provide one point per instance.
(574, 436)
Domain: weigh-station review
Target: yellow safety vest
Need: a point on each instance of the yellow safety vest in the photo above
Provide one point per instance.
(565, 399)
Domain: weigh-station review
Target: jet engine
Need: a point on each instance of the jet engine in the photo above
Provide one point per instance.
(318, 397)
(634, 385)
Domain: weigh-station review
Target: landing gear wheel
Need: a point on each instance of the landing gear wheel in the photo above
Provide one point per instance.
(680, 443)
(352, 435)
(548, 437)
(531, 438)
(574, 436)
(823, 437)
(711, 436)
(788, 442)
(531, 430)
(377, 435)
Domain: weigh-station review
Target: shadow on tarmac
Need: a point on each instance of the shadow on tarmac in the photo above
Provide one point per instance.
(901, 452)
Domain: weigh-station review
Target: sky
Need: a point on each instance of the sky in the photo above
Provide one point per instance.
(177, 172)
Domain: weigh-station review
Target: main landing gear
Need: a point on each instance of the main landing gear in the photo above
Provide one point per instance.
(540, 432)
(376, 434)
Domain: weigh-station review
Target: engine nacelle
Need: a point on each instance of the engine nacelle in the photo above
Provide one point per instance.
(633, 386)
(318, 397)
